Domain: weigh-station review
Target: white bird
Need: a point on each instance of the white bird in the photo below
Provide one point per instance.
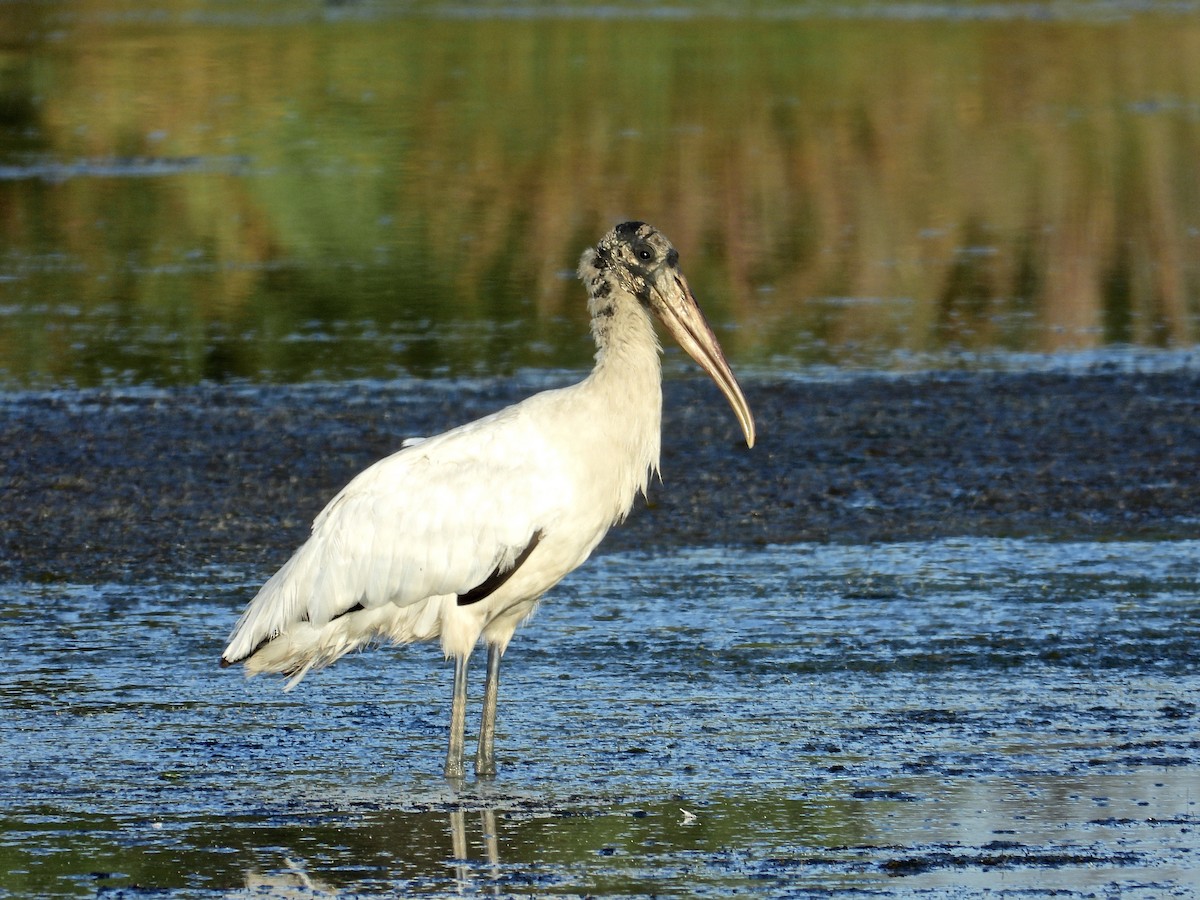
(459, 535)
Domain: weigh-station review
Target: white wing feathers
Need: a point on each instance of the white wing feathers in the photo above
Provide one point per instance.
(436, 518)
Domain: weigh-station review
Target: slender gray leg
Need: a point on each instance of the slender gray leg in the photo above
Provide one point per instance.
(485, 757)
(458, 720)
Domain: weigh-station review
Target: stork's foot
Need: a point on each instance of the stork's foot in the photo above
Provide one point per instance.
(485, 766)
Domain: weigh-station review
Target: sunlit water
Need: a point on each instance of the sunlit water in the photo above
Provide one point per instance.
(365, 190)
(957, 714)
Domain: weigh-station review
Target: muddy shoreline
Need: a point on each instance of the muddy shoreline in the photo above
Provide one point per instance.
(117, 484)
(944, 716)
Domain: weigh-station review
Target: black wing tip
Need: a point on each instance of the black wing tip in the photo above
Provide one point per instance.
(494, 581)
(357, 607)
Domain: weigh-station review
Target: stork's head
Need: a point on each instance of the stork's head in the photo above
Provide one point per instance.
(635, 262)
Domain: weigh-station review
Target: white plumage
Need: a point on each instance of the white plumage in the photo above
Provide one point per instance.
(457, 536)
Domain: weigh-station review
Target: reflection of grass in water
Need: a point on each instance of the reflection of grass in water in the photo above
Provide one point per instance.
(1014, 184)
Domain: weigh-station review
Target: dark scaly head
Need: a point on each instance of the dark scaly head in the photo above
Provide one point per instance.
(635, 263)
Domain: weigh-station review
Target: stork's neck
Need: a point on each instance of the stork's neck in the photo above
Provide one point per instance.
(627, 383)
(626, 345)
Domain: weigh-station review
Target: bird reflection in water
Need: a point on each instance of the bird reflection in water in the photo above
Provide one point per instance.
(464, 871)
(474, 860)
(291, 881)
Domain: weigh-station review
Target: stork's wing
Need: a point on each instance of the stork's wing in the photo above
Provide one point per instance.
(440, 517)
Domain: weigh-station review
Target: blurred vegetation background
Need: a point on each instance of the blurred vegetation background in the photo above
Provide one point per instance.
(296, 190)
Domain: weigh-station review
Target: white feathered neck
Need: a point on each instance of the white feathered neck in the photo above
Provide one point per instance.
(627, 377)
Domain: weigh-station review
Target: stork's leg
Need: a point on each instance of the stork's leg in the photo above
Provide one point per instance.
(458, 720)
(485, 757)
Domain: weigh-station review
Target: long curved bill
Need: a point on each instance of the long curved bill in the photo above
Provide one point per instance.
(672, 300)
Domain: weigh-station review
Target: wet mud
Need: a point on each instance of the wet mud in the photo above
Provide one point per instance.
(1017, 716)
(933, 636)
(109, 482)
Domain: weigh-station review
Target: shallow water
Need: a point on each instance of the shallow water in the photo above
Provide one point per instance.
(955, 715)
(357, 189)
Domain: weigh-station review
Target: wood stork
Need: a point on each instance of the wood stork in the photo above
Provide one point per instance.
(458, 536)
